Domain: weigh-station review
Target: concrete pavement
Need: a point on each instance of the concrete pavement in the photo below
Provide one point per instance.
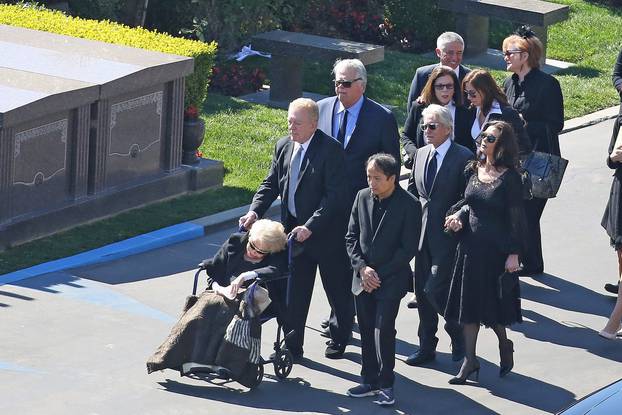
(76, 341)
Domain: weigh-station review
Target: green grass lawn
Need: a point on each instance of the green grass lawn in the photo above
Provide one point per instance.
(243, 134)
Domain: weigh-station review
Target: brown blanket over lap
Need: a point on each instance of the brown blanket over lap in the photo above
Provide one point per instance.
(198, 337)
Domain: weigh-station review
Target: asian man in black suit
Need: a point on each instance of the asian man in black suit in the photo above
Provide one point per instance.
(438, 181)
(307, 173)
(449, 49)
(382, 239)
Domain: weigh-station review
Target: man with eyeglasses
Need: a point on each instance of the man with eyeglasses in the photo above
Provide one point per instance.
(362, 127)
(437, 180)
(449, 49)
(307, 173)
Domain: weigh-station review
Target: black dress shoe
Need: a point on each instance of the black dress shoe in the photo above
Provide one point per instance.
(612, 288)
(324, 323)
(420, 358)
(334, 350)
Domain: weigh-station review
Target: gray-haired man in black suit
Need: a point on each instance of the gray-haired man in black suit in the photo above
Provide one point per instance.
(438, 181)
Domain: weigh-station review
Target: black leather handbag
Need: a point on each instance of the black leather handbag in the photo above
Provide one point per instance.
(546, 172)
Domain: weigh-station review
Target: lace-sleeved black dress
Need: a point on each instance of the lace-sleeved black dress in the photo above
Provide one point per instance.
(496, 223)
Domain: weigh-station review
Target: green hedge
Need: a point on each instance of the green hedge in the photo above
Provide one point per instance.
(106, 31)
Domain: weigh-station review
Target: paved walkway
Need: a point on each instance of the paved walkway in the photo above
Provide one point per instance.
(76, 341)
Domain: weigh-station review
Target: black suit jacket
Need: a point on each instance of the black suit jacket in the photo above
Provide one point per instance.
(225, 264)
(447, 189)
(413, 138)
(421, 77)
(375, 132)
(319, 194)
(388, 250)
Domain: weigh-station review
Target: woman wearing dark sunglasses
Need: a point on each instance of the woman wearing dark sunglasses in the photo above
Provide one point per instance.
(246, 256)
(491, 222)
(537, 96)
(442, 88)
(490, 104)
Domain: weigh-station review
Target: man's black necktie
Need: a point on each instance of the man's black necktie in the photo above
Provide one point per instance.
(341, 135)
(431, 172)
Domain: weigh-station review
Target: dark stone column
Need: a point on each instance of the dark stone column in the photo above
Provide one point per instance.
(6, 171)
(286, 78)
(474, 31)
(80, 152)
(98, 147)
(175, 123)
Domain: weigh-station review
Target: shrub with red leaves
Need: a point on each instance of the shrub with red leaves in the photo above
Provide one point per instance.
(236, 79)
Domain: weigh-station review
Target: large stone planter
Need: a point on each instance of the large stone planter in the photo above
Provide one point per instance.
(194, 130)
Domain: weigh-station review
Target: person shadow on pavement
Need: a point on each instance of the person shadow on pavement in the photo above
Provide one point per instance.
(564, 294)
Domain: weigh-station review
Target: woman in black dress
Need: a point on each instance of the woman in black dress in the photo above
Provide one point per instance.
(442, 88)
(612, 222)
(537, 97)
(491, 218)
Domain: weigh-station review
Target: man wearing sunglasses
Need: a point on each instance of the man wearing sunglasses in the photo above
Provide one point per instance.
(362, 127)
(307, 173)
(449, 49)
(438, 182)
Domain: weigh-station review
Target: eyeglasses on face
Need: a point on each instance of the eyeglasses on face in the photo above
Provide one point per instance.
(485, 136)
(254, 248)
(431, 125)
(440, 87)
(346, 84)
(471, 93)
(510, 52)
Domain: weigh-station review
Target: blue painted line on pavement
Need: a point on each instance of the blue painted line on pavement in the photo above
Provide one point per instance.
(142, 243)
(96, 293)
(16, 368)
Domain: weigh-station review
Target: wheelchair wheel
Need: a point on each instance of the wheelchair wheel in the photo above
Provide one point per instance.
(283, 363)
(258, 377)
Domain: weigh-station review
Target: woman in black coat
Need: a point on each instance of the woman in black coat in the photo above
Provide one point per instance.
(491, 104)
(537, 97)
(612, 222)
(442, 88)
(246, 256)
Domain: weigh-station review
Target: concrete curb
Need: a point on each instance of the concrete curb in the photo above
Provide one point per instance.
(199, 227)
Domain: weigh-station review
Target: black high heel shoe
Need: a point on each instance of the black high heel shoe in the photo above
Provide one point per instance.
(467, 372)
(506, 354)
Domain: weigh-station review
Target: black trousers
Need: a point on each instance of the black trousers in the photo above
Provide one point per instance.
(533, 261)
(376, 319)
(432, 280)
(336, 276)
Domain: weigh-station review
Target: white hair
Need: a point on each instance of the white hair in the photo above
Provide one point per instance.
(443, 116)
(355, 64)
(448, 37)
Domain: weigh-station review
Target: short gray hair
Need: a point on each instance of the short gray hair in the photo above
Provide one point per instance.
(448, 37)
(355, 64)
(443, 116)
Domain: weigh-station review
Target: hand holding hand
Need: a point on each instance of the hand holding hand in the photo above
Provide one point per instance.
(453, 223)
